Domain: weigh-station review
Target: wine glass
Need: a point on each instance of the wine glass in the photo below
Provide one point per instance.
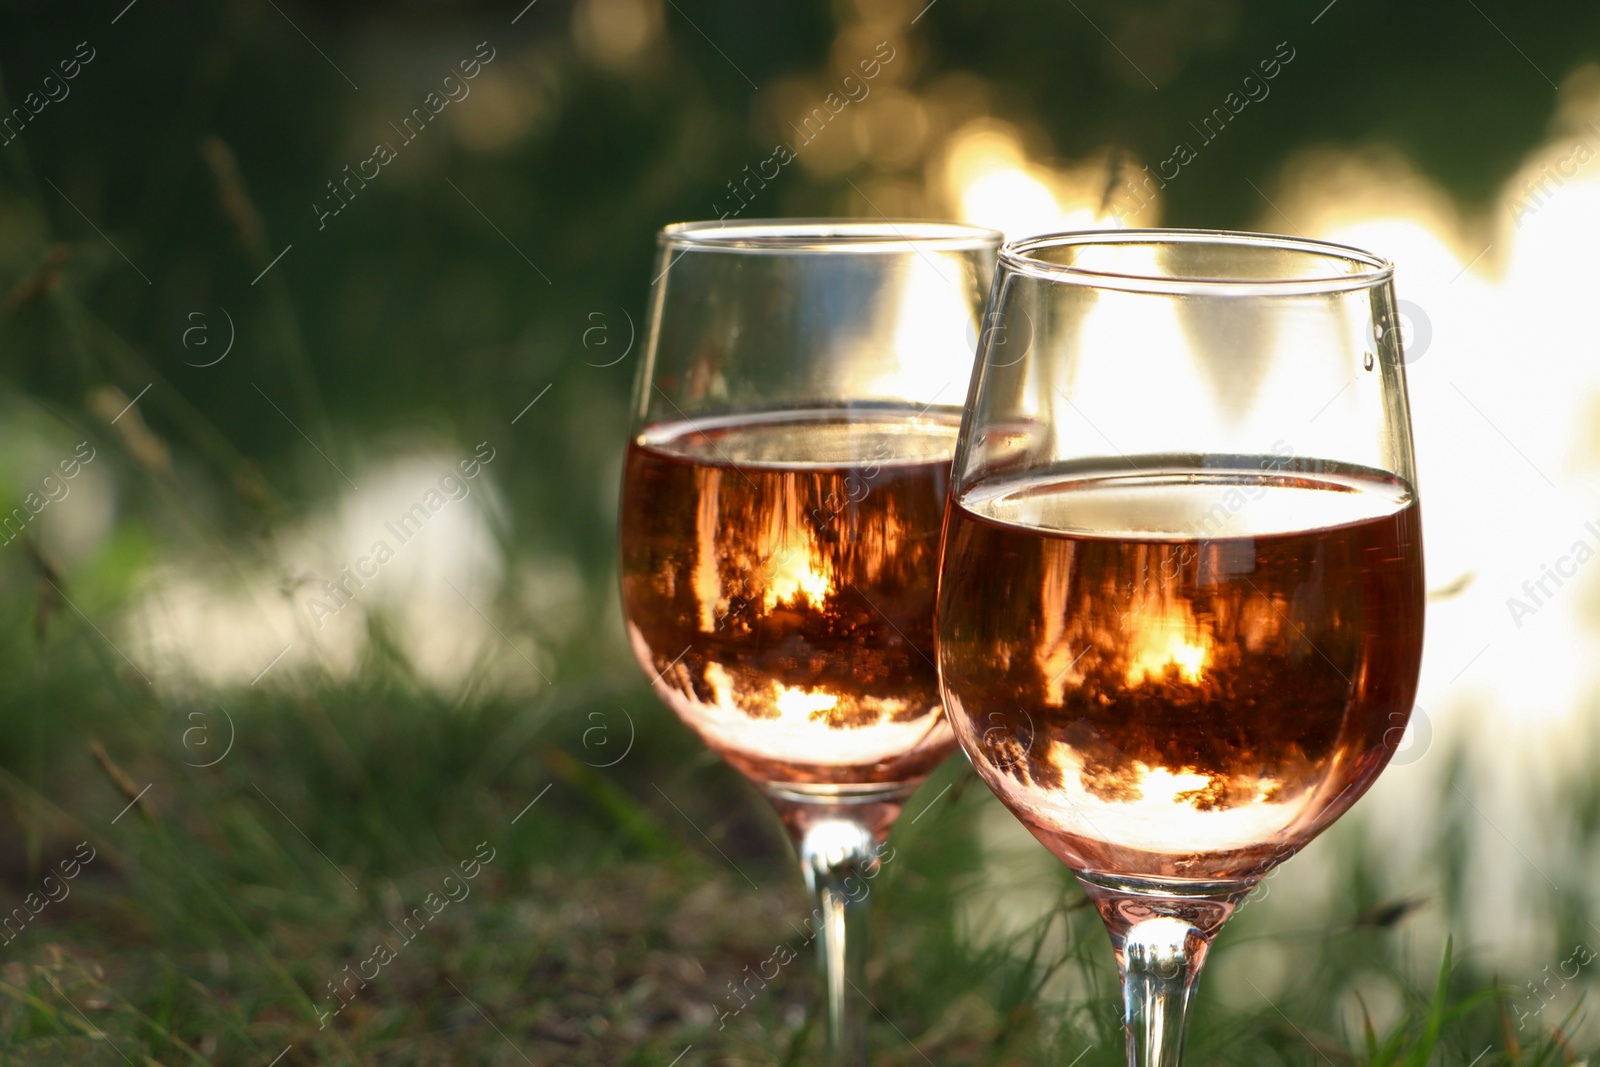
(1181, 593)
(794, 418)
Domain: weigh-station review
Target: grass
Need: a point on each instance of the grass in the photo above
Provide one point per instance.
(227, 910)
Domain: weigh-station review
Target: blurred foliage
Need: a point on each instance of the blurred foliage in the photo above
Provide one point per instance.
(409, 310)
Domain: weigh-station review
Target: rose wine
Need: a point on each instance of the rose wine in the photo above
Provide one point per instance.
(1181, 674)
(778, 578)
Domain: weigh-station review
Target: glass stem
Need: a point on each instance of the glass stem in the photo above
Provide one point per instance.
(838, 856)
(1161, 940)
(1159, 970)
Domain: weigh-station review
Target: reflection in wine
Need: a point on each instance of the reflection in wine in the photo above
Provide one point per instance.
(1155, 704)
(778, 578)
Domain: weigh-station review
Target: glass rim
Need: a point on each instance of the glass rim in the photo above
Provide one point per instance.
(1371, 269)
(827, 235)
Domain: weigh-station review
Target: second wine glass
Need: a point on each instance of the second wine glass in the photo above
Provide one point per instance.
(1180, 614)
(795, 415)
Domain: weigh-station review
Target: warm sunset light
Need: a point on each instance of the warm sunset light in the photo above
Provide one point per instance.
(792, 700)
(988, 175)
(798, 574)
(1160, 786)
(1164, 642)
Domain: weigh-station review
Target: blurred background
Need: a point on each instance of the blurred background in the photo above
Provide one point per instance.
(273, 273)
